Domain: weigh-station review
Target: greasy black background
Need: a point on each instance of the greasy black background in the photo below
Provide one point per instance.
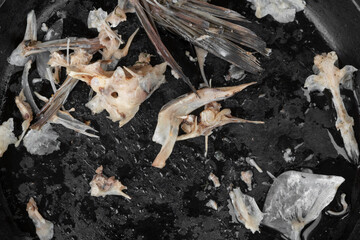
(170, 203)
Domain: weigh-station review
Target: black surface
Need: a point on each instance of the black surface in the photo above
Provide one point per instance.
(170, 203)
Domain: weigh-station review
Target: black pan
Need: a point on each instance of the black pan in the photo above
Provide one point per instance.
(170, 203)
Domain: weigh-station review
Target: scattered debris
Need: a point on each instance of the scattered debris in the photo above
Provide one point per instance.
(191, 58)
(214, 179)
(271, 175)
(26, 86)
(18, 57)
(288, 155)
(7, 136)
(65, 119)
(44, 28)
(344, 205)
(96, 19)
(246, 176)
(235, 73)
(329, 76)
(306, 170)
(212, 204)
(36, 80)
(209, 119)
(212, 29)
(298, 146)
(120, 93)
(26, 113)
(306, 94)
(175, 75)
(122, 8)
(55, 31)
(201, 55)
(308, 230)
(297, 198)
(340, 150)
(109, 38)
(308, 158)
(252, 163)
(42, 142)
(282, 11)
(246, 210)
(170, 116)
(102, 186)
(44, 228)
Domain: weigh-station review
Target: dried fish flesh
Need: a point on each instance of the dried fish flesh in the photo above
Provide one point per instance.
(171, 116)
(246, 176)
(120, 93)
(44, 228)
(329, 76)
(102, 186)
(209, 119)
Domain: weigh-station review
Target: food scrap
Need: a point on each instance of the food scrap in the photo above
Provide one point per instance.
(212, 204)
(345, 207)
(108, 38)
(282, 11)
(209, 30)
(201, 56)
(44, 228)
(294, 199)
(26, 113)
(18, 57)
(252, 163)
(329, 76)
(210, 118)
(214, 179)
(171, 116)
(235, 73)
(245, 209)
(102, 186)
(121, 92)
(297, 198)
(7, 136)
(246, 177)
(42, 142)
(288, 155)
